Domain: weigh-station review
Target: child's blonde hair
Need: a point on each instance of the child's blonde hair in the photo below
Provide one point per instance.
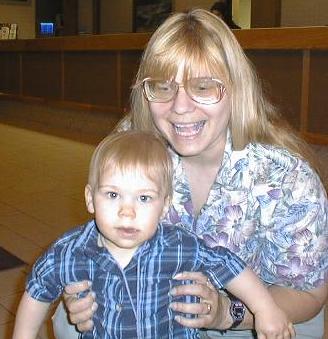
(136, 151)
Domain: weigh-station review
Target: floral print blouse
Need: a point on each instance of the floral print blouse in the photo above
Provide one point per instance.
(267, 206)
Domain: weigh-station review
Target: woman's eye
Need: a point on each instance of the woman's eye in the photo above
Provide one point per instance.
(163, 87)
(145, 198)
(203, 86)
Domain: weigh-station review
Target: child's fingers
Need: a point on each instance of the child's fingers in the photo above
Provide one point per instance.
(292, 330)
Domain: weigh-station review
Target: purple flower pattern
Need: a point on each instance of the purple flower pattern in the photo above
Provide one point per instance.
(266, 205)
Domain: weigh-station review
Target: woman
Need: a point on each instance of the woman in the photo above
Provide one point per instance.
(242, 179)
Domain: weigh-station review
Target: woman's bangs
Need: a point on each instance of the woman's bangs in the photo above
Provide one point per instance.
(163, 65)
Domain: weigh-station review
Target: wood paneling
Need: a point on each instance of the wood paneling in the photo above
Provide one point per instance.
(318, 95)
(129, 66)
(282, 80)
(96, 72)
(265, 13)
(41, 74)
(91, 77)
(10, 72)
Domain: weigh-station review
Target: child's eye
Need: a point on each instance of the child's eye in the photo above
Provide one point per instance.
(145, 198)
(112, 195)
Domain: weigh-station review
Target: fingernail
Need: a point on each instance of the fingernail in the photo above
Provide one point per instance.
(173, 291)
(177, 318)
(89, 283)
(94, 307)
(178, 276)
(93, 294)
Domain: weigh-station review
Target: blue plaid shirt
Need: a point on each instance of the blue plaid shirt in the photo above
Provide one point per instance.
(132, 302)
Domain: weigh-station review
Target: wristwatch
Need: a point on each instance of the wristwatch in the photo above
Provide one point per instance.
(237, 311)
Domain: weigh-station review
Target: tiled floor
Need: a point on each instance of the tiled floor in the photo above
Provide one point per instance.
(41, 195)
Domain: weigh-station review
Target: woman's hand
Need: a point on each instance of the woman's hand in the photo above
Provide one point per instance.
(213, 309)
(80, 309)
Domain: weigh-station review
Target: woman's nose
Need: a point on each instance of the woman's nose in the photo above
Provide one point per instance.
(182, 103)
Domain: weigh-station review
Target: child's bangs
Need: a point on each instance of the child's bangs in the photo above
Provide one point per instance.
(137, 166)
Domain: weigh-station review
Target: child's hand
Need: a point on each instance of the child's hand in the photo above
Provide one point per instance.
(273, 324)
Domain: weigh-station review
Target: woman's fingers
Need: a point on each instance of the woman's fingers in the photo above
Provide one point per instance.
(203, 320)
(80, 304)
(82, 312)
(85, 326)
(197, 277)
(80, 309)
(207, 310)
(77, 287)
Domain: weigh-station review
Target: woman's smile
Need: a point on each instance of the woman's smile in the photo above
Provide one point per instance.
(189, 130)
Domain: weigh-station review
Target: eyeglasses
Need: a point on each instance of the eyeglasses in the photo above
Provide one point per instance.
(202, 90)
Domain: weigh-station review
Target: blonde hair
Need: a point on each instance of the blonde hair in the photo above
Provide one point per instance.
(202, 42)
(136, 151)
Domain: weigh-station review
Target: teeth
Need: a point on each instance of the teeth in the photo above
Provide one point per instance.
(188, 130)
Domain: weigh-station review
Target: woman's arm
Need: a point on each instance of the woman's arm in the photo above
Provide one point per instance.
(291, 301)
(29, 318)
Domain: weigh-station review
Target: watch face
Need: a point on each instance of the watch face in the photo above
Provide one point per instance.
(237, 310)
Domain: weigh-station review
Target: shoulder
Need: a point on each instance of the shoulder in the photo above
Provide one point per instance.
(76, 237)
(273, 155)
(279, 164)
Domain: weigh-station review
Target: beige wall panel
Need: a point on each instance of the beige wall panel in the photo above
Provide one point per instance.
(116, 16)
(182, 5)
(85, 16)
(304, 13)
(23, 16)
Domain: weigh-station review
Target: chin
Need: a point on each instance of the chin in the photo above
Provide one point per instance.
(188, 151)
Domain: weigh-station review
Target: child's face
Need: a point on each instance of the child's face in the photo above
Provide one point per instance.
(127, 209)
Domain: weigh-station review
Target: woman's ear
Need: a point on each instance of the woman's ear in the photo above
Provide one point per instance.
(89, 199)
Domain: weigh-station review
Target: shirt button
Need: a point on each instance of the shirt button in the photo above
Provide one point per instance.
(119, 307)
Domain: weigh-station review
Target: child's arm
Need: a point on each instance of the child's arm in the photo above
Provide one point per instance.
(270, 320)
(30, 316)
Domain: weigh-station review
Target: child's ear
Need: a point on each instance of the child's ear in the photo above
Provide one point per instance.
(89, 199)
(167, 203)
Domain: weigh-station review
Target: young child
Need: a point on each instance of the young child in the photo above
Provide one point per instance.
(131, 258)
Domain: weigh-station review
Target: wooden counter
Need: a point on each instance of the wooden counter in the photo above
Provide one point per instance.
(94, 73)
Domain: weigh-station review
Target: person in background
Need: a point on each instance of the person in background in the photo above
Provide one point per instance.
(132, 258)
(242, 178)
(222, 10)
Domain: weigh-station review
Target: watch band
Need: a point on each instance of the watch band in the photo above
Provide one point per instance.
(237, 311)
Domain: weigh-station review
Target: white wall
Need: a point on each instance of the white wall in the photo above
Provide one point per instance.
(22, 15)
